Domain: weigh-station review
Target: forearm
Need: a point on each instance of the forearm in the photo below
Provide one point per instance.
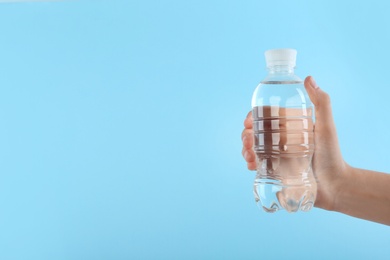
(365, 194)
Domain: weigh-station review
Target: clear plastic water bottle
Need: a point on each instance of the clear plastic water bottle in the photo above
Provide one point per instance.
(283, 137)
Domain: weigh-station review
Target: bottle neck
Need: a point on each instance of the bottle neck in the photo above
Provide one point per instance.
(281, 73)
(281, 70)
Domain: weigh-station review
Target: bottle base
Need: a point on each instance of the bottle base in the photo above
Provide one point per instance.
(272, 196)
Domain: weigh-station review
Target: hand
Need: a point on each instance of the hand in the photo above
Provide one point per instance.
(328, 164)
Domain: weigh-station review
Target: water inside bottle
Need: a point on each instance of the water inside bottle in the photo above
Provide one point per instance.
(284, 146)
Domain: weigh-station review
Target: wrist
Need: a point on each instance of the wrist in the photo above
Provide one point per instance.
(341, 188)
(330, 188)
(364, 194)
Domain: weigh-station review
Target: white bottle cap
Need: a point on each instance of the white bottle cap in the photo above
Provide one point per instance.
(280, 57)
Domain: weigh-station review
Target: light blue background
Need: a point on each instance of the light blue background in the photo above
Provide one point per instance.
(121, 123)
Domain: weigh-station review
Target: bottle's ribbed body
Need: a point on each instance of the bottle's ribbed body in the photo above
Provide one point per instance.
(284, 145)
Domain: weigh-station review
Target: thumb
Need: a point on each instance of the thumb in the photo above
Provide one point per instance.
(321, 101)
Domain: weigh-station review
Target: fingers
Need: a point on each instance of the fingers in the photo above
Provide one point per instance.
(321, 101)
(248, 122)
(311, 88)
(247, 138)
(250, 158)
(248, 154)
(247, 133)
(251, 166)
(247, 143)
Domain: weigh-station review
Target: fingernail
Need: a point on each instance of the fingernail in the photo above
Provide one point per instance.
(313, 83)
(244, 139)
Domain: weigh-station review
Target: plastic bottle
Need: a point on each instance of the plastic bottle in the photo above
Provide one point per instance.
(284, 138)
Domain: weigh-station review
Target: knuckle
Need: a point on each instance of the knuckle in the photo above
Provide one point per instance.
(243, 134)
(249, 114)
(248, 123)
(326, 98)
(243, 152)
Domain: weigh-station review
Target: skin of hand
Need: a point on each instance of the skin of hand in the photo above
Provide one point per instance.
(330, 169)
